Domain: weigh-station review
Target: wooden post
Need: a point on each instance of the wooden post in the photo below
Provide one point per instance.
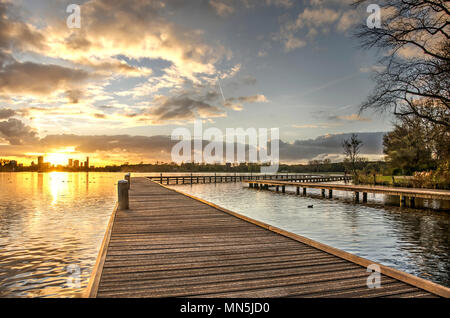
(304, 191)
(250, 185)
(330, 193)
(364, 197)
(277, 188)
(160, 178)
(122, 193)
(298, 190)
(191, 178)
(323, 193)
(128, 178)
(402, 201)
(283, 189)
(412, 202)
(356, 196)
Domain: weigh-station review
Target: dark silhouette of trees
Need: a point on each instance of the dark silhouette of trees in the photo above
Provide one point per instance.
(414, 77)
(352, 149)
(416, 144)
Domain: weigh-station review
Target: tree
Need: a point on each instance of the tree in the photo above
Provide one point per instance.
(416, 144)
(414, 77)
(352, 149)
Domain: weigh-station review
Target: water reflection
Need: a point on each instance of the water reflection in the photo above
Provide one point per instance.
(49, 221)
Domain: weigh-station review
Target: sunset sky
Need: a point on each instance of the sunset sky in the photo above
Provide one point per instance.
(115, 88)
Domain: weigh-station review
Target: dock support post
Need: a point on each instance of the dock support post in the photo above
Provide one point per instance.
(160, 178)
(277, 188)
(356, 196)
(298, 190)
(323, 193)
(412, 202)
(402, 201)
(330, 193)
(128, 178)
(364, 197)
(122, 193)
(250, 185)
(283, 189)
(304, 191)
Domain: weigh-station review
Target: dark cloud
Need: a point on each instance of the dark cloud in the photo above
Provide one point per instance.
(38, 79)
(329, 144)
(184, 108)
(6, 113)
(160, 147)
(17, 133)
(16, 34)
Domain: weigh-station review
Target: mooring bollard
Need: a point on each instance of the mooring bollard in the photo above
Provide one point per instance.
(122, 192)
(128, 178)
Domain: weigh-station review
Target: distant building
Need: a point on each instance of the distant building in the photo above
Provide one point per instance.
(86, 163)
(76, 163)
(70, 162)
(40, 162)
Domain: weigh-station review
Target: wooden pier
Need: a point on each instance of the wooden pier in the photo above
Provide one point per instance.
(168, 244)
(221, 178)
(405, 194)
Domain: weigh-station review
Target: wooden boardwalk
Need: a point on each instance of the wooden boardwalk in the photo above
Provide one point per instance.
(403, 193)
(173, 245)
(222, 178)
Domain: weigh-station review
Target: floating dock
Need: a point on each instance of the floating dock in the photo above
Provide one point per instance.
(222, 178)
(169, 244)
(402, 193)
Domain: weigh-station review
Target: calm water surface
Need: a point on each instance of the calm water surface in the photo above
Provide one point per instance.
(51, 228)
(52, 225)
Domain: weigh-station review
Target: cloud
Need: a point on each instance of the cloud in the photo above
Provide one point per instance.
(317, 17)
(39, 79)
(302, 150)
(223, 9)
(280, 3)
(183, 107)
(114, 148)
(235, 103)
(373, 68)
(5, 113)
(353, 117)
(16, 132)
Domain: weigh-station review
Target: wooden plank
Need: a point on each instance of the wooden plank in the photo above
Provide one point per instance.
(189, 247)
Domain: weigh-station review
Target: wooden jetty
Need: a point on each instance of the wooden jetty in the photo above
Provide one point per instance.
(222, 178)
(169, 244)
(403, 193)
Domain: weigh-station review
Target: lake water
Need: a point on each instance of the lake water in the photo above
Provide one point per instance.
(52, 225)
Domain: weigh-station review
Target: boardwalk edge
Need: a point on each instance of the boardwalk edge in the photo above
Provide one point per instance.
(94, 280)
